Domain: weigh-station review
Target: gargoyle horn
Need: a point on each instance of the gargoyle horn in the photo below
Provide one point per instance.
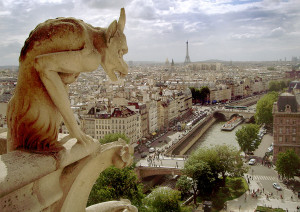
(122, 20)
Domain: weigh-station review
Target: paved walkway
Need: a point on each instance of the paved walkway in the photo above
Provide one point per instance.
(247, 203)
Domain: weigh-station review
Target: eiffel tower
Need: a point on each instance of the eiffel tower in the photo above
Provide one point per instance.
(187, 57)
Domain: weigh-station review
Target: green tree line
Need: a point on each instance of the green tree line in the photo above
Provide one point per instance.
(200, 95)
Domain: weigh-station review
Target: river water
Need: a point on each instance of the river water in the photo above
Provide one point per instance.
(214, 136)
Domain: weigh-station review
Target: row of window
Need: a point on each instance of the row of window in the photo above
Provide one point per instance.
(286, 121)
(287, 130)
(286, 139)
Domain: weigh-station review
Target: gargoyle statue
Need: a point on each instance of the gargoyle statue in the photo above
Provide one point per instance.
(53, 56)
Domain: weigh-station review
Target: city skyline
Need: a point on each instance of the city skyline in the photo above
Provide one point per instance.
(155, 30)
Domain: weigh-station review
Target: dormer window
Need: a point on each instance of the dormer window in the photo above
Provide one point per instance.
(287, 108)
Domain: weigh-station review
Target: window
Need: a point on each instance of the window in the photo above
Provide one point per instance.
(280, 139)
(294, 139)
(294, 130)
(280, 130)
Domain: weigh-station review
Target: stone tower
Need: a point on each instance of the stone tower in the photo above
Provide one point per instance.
(187, 57)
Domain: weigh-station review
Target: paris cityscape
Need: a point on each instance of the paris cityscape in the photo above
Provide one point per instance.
(207, 134)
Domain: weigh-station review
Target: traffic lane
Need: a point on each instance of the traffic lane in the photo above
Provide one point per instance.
(259, 170)
(268, 188)
(159, 142)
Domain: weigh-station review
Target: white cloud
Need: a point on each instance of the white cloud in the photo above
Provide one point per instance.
(157, 29)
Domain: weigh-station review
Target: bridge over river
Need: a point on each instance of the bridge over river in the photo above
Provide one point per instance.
(162, 166)
(182, 146)
(167, 165)
(229, 113)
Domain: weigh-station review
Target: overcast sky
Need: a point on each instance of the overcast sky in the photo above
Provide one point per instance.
(158, 29)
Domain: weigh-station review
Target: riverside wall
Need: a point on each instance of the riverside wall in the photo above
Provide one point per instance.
(191, 138)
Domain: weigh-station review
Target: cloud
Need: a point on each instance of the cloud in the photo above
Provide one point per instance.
(156, 29)
(106, 4)
(10, 53)
(277, 32)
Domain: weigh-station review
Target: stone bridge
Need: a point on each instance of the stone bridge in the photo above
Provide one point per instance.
(143, 172)
(163, 166)
(229, 113)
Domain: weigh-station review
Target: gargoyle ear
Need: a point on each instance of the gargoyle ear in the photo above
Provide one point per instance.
(122, 20)
(111, 30)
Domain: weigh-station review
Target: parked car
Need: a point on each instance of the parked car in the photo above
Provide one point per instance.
(276, 186)
(252, 161)
(143, 155)
(152, 149)
(270, 149)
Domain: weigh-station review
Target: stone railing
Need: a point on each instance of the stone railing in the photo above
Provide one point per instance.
(60, 181)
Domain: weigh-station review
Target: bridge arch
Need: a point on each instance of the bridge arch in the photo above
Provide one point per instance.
(220, 116)
(228, 114)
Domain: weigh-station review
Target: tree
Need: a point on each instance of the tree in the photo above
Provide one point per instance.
(230, 162)
(247, 137)
(277, 85)
(204, 93)
(264, 109)
(114, 184)
(184, 185)
(223, 160)
(200, 95)
(274, 86)
(288, 164)
(201, 175)
(114, 137)
(163, 199)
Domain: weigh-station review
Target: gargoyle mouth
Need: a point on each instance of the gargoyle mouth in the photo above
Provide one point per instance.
(116, 74)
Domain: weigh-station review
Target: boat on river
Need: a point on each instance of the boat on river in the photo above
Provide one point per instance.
(232, 123)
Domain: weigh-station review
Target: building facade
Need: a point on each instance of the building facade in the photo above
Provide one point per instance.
(286, 124)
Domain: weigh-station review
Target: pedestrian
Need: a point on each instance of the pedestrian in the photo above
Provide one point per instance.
(263, 190)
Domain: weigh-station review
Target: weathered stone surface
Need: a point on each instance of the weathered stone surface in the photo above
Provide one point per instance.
(53, 56)
(44, 171)
(19, 168)
(58, 182)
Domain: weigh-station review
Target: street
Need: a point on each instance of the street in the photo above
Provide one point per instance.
(260, 179)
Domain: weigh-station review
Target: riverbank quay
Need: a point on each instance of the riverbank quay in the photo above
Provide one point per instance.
(182, 146)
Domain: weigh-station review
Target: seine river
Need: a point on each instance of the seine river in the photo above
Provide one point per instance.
(214, 136)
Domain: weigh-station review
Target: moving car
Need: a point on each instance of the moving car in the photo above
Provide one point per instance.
(252, 161)
(276, 186)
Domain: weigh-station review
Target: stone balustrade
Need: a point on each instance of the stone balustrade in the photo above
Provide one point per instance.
(56, 181)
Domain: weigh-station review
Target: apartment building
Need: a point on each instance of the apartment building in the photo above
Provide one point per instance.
(152, 121)
(222, 93)
(286, 124)
(124, 120)
(99, 122)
